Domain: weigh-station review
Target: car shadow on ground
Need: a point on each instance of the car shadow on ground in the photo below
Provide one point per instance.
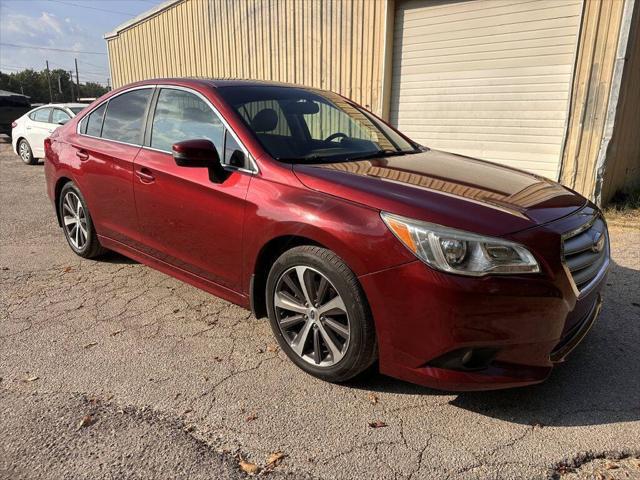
(116, 259)
(598, 384)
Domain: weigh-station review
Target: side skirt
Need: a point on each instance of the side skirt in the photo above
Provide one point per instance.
(180, 274)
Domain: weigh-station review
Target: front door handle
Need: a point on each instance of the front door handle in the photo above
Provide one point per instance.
(145, 175)
(82, 155)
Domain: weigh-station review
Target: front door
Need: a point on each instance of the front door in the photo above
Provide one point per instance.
(187, 220)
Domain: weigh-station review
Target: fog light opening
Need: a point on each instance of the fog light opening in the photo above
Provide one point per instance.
(465, 359)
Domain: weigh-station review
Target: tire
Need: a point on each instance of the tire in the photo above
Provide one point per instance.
(351, 355)
(68, 209)
(25, 152)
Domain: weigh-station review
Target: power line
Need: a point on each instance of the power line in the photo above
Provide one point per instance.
(94, 8)
(92, 64)
(34, 47)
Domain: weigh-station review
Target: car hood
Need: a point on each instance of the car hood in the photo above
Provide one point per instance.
(447, 189)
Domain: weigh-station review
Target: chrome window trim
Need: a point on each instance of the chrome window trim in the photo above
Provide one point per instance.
(605, 266)
(252, 161)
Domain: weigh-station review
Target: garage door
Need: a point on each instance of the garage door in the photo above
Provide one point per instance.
(489, 79)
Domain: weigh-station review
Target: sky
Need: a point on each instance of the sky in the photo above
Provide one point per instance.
(74, 25)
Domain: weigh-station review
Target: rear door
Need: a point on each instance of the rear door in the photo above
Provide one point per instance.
(107, 142)
(38, 129)
(187, 220)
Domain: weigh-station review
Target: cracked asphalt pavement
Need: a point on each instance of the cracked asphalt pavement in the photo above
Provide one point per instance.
(110, 369)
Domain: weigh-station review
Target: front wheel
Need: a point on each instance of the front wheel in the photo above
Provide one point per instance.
(319, 314)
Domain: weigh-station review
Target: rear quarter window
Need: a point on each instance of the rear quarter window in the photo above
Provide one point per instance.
(92, 123)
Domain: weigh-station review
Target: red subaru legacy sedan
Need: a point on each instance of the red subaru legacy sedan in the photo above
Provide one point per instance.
(358, 244)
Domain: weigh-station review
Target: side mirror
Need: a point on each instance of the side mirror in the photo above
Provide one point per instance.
(200, 153)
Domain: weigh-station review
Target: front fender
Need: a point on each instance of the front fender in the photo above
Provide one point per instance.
(354, 232)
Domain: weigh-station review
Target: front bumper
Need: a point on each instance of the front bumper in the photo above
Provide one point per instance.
(521, 325)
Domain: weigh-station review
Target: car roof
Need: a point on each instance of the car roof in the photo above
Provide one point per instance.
(67, 105)
(220, 82)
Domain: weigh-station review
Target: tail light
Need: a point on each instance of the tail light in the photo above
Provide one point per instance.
(14, 124)
(47, 147)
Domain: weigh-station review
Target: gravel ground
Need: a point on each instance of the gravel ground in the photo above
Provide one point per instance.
(112, 370)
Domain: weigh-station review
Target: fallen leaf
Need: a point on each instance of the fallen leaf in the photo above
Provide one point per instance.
(373, 398)
(275, 458)
(260, 350)
(176, 310)
(117, 332)
(377, 424)
(564, 469)
(86, 421)
(611, 466)
(30, 379)
(68, 269)
(89, 345)
(251, 417)
(248, 467)
(188, 410)
(272, 348)
(217, 359)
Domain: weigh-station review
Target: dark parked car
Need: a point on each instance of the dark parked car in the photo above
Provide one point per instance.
(12, 106)
(357, 243)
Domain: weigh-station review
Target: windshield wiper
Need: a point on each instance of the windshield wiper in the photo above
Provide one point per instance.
(380, 153)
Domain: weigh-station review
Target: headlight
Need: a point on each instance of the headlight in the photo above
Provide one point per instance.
(457, 251)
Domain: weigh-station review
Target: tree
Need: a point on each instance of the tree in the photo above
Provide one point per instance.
(36, 85)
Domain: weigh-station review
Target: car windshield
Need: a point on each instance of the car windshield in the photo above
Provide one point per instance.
(76, 110)
(301, 125)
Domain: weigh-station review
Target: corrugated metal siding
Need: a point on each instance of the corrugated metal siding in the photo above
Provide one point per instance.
(335, 45)
(592, 86)
(488, 79)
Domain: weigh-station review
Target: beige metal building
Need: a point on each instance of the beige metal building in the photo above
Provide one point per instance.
(549, 86)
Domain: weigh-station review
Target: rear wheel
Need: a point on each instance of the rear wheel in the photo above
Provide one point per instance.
(24, 150)
(319, 314)
(77, 224)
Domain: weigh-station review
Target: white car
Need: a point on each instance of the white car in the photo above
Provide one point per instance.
(29, 131)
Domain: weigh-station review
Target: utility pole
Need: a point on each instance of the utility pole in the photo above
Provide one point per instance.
(71, 85)
(77, 77)
(49, 82)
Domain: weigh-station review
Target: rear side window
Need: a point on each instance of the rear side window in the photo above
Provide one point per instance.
(92, 123)
(181, 115)
(41, 115)
(124, 119)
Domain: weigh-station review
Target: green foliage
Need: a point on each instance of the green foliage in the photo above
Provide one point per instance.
(35, 85)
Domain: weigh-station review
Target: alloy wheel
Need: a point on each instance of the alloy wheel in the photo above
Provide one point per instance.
(75, 220)
(312, 316)
(23, 150)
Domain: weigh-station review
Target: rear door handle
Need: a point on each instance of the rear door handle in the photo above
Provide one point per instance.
(82, 155)
(145, 175)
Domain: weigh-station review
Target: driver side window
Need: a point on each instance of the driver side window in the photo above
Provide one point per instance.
(59, 116)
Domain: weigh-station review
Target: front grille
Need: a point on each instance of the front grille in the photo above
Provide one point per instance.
(586, 252)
